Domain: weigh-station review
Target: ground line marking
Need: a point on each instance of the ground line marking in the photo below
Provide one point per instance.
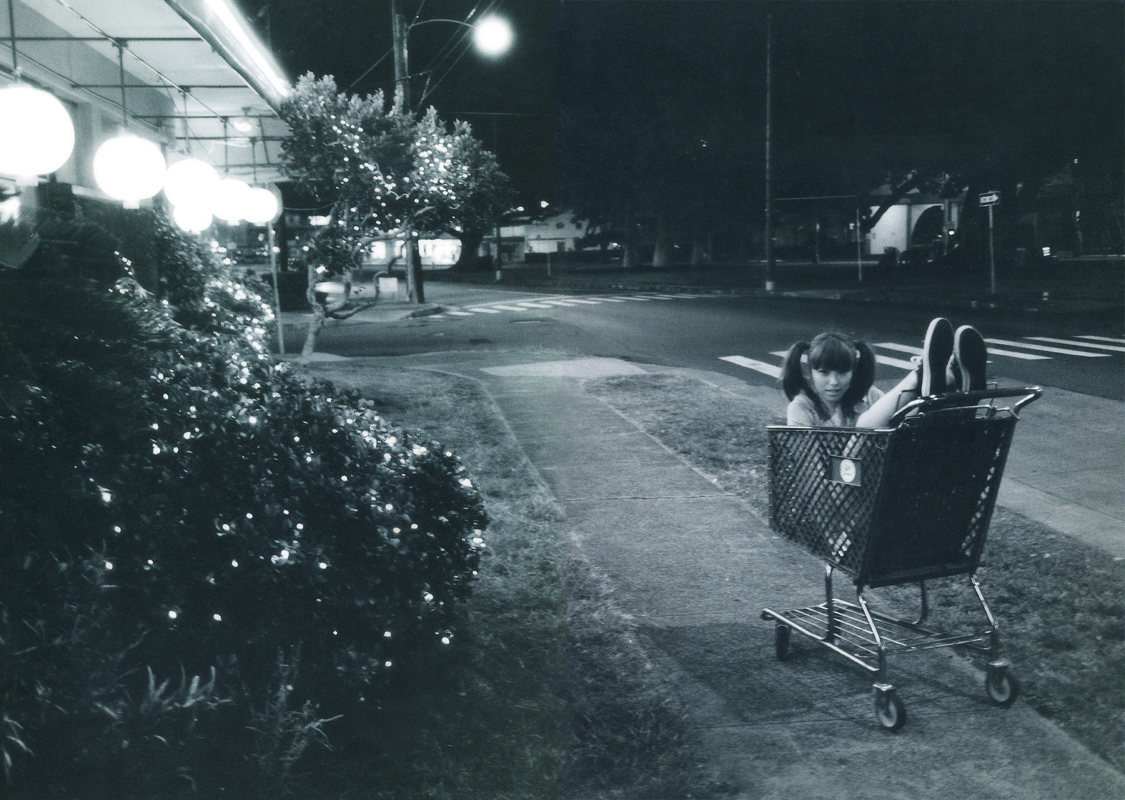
(1114, 348)
(749, 363)
(991, 351)
(890, 362)
(1046, 349)
(1104, 339)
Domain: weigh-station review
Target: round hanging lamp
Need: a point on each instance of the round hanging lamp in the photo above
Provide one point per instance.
(36, 132)
(129, 168)
(192, 217)
(190, 182)
(230, 199)
(262, 206)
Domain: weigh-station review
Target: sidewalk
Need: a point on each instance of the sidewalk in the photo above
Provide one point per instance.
(693, 566)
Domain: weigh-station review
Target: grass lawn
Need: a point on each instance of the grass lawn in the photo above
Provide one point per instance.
(547, 692)
(1059, 602)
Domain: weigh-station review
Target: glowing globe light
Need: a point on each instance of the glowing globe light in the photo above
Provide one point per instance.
(262, 206)
(492, 35)
(192, 217)
(230, 199)
(129, 168)
(36, 132)
(190, 182)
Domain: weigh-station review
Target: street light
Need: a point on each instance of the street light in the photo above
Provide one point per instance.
(492, 36)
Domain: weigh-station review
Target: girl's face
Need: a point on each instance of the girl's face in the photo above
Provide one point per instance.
(830, 385)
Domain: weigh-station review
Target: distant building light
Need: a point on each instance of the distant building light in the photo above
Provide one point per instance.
(319, 221)
(1047, 251)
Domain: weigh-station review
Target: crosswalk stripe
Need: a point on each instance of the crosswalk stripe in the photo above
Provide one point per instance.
(890, 362)
(991, 351)
(903, 347)
(459, 313)
(1047, 349)
(631, 297)
(1114, 348)
(584, 300)
(527, 305)
(661, 296)
(611, 300)
(509, 308)
(484, 310)
(749, 363)
(895, 362)
(1104, 339)
(558, 302)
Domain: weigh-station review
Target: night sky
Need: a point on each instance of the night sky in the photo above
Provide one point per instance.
(860, 88)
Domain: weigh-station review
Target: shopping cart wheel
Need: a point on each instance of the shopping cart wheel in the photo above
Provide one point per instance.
(1001, 685)
(889, 710)
(781, 634)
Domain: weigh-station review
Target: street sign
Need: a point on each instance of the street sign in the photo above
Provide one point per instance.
(990, 198)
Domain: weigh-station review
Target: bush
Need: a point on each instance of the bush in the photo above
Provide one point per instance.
(178, 513)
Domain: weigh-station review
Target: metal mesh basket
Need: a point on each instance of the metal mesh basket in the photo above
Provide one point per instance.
(892, 506)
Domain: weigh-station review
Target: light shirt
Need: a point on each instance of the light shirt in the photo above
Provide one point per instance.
(802, 412)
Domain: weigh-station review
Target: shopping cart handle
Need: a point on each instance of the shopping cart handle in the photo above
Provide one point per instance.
(967, 399)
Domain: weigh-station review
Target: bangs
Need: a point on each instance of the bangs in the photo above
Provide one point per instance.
(832, 352)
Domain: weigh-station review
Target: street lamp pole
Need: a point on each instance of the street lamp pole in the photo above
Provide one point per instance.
(415, 290)
(492, 36)
(770, 263)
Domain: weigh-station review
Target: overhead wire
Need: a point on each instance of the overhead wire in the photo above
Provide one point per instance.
(463, 43)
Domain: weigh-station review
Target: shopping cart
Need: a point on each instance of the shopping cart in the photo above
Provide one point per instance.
(905, 504)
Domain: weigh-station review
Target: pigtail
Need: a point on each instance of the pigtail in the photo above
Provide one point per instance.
(863, 377)
(793, 380)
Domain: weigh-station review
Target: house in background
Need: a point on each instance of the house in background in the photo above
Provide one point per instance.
(918, 220)
(535, 236)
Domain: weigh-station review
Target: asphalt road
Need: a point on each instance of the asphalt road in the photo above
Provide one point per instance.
(739, 336)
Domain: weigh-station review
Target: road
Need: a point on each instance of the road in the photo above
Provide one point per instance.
(1065, 465)
(740, 336)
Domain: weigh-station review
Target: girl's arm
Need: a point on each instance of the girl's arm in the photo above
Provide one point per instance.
(880, 413)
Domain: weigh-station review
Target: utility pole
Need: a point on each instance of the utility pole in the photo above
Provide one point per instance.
(770, 262)
(414, 289)
(499, 237)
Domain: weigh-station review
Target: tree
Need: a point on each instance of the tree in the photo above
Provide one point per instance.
(483, 193)
(385, 174)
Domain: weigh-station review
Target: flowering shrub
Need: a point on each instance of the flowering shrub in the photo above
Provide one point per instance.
(173, 502)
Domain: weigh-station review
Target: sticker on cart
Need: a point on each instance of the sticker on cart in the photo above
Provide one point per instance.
(845, 470)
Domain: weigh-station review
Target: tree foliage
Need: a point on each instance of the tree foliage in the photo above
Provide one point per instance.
(385, 172)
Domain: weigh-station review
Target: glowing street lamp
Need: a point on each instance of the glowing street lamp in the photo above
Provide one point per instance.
(230, 200)
(36, 133)
(190, 182)
(192, 217)
(129, 168)
(262, 206)
(492, 35)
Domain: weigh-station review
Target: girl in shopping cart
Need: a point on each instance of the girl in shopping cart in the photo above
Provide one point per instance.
(838, 388)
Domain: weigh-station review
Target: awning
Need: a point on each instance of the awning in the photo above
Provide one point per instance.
(219, 87)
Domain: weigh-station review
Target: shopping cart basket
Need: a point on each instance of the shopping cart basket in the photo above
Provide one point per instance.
(893, 506)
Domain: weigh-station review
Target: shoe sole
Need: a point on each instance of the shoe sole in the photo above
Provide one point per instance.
(936, 352)
(971, 358)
